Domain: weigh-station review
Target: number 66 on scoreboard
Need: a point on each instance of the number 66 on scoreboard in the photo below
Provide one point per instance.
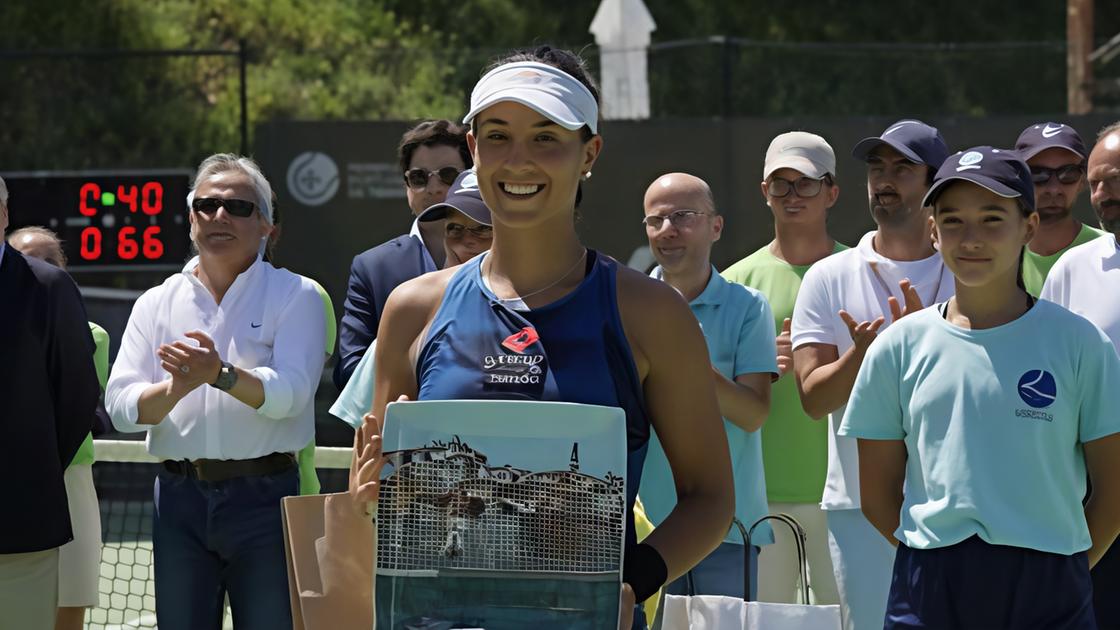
(107, 220)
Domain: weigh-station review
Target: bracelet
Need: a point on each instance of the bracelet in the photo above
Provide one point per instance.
(645, 571)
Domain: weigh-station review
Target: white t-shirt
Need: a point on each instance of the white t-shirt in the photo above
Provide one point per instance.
(849, 281)
(1086, 280)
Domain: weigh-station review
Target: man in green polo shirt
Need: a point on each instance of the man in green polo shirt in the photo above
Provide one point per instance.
(1056, 156)
(799, 186)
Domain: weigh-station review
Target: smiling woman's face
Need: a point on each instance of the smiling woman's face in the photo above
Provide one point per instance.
(528, 167)
(980, 234)
(221, 234)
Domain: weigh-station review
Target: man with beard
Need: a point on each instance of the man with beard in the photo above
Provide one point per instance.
(1056, 156)
(845, 300)
(1087, 281)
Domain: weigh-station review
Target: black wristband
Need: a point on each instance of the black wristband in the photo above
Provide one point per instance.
(644, 570)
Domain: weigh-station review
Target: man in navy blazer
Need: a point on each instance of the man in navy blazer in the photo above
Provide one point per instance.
(48, 393)
(431, 155)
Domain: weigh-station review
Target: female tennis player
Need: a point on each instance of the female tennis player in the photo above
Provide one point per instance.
(977, 420)
(610, 335)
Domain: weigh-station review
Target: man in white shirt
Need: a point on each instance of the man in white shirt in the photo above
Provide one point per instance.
(219, 365)
(1086, 280)
(845, 300)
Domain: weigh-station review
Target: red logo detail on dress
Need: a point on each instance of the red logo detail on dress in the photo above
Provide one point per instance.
(521, 339)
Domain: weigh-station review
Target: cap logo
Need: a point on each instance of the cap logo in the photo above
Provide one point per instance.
(899, 126)
(1050, 132)
(469, 183)
(969, 161)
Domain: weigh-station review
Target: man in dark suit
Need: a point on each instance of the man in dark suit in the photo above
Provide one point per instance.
(431, 156)
(48, 393)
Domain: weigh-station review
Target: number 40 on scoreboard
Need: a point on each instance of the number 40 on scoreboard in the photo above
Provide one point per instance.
(107, 220)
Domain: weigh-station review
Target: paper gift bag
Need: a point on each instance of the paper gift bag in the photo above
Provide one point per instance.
(329, 547)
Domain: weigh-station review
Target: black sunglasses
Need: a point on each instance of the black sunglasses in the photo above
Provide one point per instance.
(418, 177)
(1068, 174)
(236, 207)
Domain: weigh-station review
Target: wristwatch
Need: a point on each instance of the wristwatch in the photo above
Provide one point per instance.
(227, 377)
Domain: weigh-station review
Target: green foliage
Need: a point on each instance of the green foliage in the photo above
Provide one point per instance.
(410, 59)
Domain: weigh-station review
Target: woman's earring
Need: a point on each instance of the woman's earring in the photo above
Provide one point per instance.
(586, 176)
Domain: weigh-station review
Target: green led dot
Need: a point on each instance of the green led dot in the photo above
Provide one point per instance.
(108, 199)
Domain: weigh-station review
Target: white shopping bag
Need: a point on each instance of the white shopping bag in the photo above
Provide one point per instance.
(712, 612)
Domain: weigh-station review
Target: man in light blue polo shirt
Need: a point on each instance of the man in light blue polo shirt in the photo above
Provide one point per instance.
(681, 223)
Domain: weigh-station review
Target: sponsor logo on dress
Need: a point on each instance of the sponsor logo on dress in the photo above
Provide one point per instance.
(521, 340)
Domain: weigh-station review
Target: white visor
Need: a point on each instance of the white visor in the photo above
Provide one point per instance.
(549, 91)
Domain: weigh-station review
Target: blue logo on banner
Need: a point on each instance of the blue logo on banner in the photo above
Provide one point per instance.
(1037, 388)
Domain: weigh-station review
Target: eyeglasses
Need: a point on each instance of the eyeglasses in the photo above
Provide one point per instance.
(1068, 174)
(418, 177)
(678, 219)
(802, 186)
(236, 207)
(456, 231)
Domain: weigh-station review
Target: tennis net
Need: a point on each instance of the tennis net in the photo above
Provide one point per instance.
(123, 475)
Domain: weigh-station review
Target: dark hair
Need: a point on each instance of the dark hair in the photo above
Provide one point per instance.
(433, 133)
(561, 59)
(931, 173)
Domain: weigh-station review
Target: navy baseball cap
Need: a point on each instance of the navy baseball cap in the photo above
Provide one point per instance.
(1037, 138)
(914, 139)
(463, 196)
(1001, 171)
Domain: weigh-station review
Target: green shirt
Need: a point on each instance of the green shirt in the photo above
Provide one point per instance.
(84, 456)
(1036, 267)
(794, 446)
(308, 478)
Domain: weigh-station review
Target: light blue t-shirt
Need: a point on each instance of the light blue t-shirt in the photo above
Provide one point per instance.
(356, 399)
(739, 329)
(994, 421)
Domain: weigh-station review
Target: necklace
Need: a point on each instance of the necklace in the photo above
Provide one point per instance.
(521, 298)
(883, 283)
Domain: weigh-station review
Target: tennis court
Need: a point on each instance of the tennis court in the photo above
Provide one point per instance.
(123, 475)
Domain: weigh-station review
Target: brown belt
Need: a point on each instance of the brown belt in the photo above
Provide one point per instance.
(223, 469)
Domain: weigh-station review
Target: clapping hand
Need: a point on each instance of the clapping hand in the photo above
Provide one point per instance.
(785, 349)
(189, 365)
(913, 301)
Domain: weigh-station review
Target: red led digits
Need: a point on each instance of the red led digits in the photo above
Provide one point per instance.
(127, 247)
(127, 194)
(152, 198)
(91, 191)
(90, 243)
(153, 247)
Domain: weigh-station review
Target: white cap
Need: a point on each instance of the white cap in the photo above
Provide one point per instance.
(806, 153)
(551, 92)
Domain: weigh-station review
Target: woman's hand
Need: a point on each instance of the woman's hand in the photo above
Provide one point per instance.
(366, 463)
(626, 608)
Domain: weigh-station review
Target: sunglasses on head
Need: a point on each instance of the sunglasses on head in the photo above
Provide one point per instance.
(236, 207)
(418, 177)
(1068, 174)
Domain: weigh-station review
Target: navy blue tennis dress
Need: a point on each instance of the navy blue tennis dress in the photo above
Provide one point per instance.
(572, 350)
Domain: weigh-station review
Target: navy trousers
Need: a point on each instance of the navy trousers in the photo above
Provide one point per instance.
(213, 538)
(973, 584)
